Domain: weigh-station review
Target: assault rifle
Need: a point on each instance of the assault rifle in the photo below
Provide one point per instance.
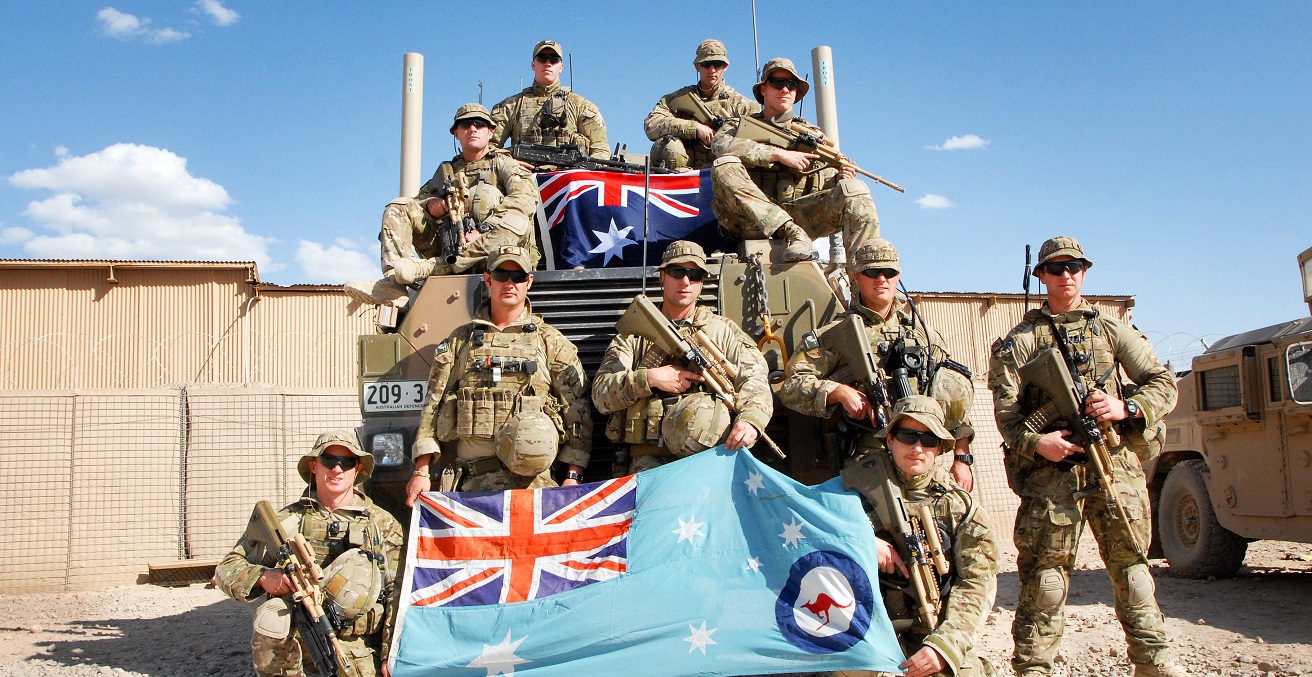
(848, 340)
(458, 222)
(570, 156)
(805, 139)
(916, 539)
(689, 106)
(318, 629)
(1052, 374)
(698, 352)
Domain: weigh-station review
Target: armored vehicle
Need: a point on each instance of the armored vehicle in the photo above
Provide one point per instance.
(1237, 462)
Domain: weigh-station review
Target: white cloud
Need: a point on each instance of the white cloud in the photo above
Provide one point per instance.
(336, 263)
(221, 15)
(932, 201)
(967, 142)
(15, 235)
(124, 26)
(134, 202)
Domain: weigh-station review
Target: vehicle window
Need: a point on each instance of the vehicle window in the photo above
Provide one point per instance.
(1298, 358)
(1220, 387)
(1275, 384)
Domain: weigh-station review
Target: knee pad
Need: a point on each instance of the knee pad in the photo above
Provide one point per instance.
(273, 619)
(1139, 584)
(851, 187)
(1051, 589)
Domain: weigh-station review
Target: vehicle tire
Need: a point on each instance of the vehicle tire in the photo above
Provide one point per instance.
(1195, 544)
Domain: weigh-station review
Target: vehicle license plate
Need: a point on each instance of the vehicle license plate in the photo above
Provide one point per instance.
(394, 395)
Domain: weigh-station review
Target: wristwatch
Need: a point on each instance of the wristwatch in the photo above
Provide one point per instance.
(1131, 409)
(573, 475)
(968, 459)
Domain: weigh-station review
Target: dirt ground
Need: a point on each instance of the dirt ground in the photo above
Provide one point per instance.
(1255, 624)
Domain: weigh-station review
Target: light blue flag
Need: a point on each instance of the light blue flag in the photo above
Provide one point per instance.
(712, 565)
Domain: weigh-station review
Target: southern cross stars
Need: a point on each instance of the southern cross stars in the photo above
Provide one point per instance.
(700, 637)
(792, 533)
(754, 482)
(689, 530)
(500, 659)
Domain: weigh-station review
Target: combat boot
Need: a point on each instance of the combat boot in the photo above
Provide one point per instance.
(798, 246)
(1164, 669)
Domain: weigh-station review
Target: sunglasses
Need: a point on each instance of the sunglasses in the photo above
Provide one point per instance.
(925, 438)
(876, 273)
(343, 462)
(515, 276)
(680, 272)
(783, 83)
(1056, 268)
(547, 58)
(715, 64)
(473, 122)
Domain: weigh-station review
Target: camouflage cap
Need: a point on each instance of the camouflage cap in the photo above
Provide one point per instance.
(683, 251)
(549, 46)
(711, 50)
(1062, 245)
(775, 64)
(875, 253)
(471, 111)
(924, 409)
(509, 253)
(337, 438)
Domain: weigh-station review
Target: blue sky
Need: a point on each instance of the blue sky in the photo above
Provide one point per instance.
(1171, 139)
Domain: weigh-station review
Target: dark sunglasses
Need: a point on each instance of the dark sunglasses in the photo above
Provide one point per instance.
(473, 122)
(547, 58)
(926, 438)
(783, 83)
(715, 64)
(680, 272)
(343, 462)
(1056, 268)
(876, 273)
(515, 276)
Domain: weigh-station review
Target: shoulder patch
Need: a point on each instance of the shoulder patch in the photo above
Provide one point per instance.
(1002, 346)
(441, 348)
(810, 341)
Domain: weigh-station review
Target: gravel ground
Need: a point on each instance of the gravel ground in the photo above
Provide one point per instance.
(1257, 624)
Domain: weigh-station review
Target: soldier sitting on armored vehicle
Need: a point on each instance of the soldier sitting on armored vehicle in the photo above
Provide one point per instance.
(477, 202)
(763, 190)
(547, 113)
(873, 355)
(684, 121)
(508, 391)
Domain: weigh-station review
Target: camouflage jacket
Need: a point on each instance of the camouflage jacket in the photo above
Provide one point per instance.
(619, 385)
(520, 202)
(724, 102)
(779, 183)
(1109, 341)
(519, 118)
(358, 524)
(461, 377)
(970, 547)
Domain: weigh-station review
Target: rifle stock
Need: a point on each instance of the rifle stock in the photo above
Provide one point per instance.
(689, 106)
(804, 140)
(848, 340)
(916, 539)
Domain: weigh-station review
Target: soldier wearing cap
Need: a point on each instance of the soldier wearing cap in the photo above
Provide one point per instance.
(548, 113)
(682, 141)
(914, 437)
(761, 190)
(500, 199)
(817, 384)
(357, 543)
(507, 395)
(660, 410)
(1053, 509)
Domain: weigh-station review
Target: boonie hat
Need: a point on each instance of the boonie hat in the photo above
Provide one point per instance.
(337, 438)
(1062, 245)
(711, 50)
(471, 111)
(921, 408)
(780, 63)
(509, 253)
(683, 251)
(877, 253)
(549, 46)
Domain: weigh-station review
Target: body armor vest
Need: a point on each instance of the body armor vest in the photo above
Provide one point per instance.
(497, 369)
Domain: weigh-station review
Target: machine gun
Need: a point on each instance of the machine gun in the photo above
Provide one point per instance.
(1053, 374)
(318, 629)
(697, 351)
(917, 541)
(689, 106)
(570, 156)
(805, 139)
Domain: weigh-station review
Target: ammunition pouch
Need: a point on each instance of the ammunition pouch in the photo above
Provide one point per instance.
(640, 423)
(473, 467)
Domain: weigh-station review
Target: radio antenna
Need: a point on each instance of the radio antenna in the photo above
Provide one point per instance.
(756, 44)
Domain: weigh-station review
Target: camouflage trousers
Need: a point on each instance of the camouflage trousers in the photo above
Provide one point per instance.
(277, 649)
(1047, 537)
(408, 231)
(747, 213)
(680, 154)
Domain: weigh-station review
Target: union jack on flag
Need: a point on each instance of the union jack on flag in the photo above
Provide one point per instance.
(479, 548)
(674, 194)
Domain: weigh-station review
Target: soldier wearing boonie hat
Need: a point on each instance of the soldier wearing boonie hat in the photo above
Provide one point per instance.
(915, 434)
(547, 113)
(1059, 246)
(681, 139)
(357, 544)
(663, 412)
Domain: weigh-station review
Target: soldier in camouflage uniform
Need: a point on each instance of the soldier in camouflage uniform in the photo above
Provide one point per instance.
(760, 190)
(818, 377)
(681, 142)
(661, 410)
(500, 196)
(341, 524)
(1053, 508)
(548, 113)
(507, 391)
(914, 437)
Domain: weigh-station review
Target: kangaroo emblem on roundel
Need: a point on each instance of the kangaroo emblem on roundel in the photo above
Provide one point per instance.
(822, 605)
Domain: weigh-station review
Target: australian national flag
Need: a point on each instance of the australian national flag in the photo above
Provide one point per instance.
(596, 217)
(715, 564)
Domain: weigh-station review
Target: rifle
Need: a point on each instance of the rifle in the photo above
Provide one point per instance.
(458, 222)
(689, 106)
(570, 156)
(643, 319)
(1051, 372)
(318, 629)
(916, 539)
(805, 139)
(848, 340)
